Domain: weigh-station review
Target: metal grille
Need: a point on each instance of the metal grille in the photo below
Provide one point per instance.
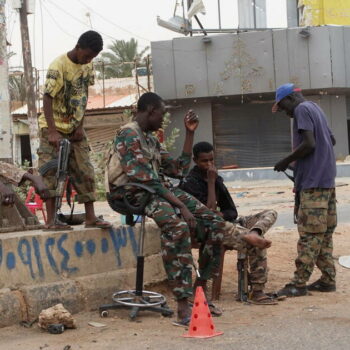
(249, 135)
(100, 138)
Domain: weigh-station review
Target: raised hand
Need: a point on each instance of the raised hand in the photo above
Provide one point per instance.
(191, 121)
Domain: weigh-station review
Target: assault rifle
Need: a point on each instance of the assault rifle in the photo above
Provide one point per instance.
(61, 164)
(61, 176)
(242, 268)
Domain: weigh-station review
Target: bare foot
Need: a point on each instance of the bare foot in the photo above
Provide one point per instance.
(257, 241)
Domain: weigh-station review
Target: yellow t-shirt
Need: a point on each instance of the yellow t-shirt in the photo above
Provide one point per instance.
(67, 83)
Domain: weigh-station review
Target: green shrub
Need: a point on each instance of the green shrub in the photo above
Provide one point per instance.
(24, 188)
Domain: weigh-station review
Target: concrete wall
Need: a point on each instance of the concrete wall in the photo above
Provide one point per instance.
(251, 62)
(37, 256)
(335, 108)
(80, 268)
(205, 128)
(255, 62)
(254, 174)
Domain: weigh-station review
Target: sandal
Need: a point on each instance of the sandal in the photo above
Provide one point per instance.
(183, 322)
(214, 310)
(57, 227)
(99, 223)
(262, 299)
(274, 295)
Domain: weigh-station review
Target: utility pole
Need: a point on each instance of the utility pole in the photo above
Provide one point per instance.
(29, 84)
(5, 115)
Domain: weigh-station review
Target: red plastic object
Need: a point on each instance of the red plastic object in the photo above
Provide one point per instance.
(34, 204)
(232, 166)
(201, 325)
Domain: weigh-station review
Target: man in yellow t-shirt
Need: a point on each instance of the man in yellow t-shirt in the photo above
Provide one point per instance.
(65, 97)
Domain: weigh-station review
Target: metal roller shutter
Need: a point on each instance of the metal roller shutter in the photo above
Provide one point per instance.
(249, 135)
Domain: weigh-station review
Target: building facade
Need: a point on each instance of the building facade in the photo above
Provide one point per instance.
(230, 80)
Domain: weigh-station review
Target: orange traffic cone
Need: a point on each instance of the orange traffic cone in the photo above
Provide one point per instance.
(201, 325)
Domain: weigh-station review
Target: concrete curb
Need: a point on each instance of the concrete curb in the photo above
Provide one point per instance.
(75, 274)
(254, 174)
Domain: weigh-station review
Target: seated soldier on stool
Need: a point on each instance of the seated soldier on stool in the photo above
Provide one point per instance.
(142, 160)
(246, 233)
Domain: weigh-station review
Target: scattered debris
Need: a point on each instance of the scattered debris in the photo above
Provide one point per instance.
(56, 315)
(96, 324)
(28, 324)
(341, 185)
(55, 328)
(241, 194)
(312, 308)
(67, 347)
(344, 261)
(279, 228)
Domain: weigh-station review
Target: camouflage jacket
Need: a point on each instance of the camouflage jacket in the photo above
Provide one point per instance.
(137, 159)
(11, 173)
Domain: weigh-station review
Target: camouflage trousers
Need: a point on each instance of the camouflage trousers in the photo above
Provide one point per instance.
(233, 239)
(317, 219)
(80, 169)
(176, 241)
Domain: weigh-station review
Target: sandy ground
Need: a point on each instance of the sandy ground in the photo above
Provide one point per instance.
(318, 321)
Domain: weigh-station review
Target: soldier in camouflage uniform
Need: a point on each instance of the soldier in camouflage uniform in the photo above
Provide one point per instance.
(314, 176)
(10, 173)
(65, 98)
(244, 233)
(142, 159)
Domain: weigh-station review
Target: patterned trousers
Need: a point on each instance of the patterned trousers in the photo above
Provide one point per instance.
(317, 220)
(233, 239)
(176, 241)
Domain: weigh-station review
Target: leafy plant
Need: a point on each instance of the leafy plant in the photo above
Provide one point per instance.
(24, 188)
(98, 160)
(169, 138)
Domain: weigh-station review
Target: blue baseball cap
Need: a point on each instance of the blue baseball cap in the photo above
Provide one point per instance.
(282, 92)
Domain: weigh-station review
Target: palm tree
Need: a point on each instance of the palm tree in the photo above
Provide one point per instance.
(119, 63)
(16, 84)
(17, 87)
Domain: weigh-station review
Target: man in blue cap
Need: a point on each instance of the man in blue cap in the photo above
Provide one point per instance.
(314, 175)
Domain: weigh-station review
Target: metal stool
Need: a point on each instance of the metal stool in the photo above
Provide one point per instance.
(137, 299)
